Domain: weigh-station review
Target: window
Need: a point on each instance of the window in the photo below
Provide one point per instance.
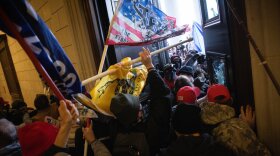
(212, 9)
(210, 12)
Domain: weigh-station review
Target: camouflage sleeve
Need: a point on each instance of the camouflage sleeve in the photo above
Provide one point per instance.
(239, 137)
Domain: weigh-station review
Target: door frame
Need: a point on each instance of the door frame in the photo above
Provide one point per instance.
(18, 94)
(236, 51)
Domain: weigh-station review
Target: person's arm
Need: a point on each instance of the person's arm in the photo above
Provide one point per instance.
(67, 117)
(99, 149)
(160, 105)
(157, 85)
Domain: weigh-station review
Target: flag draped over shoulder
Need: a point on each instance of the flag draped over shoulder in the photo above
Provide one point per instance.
(125, 80)
(138, 22)
(43, 44)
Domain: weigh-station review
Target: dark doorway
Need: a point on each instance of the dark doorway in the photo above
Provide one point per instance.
(226, 46)
(9, 69)
(227, 49)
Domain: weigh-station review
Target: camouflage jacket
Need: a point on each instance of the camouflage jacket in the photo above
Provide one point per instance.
(233, 132)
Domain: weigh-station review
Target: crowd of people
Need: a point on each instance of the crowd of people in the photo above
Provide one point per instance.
(184, 115)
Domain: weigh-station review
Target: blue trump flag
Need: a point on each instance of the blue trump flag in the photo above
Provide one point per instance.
(43, 44)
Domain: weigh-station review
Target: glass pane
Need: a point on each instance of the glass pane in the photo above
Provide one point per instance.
(212, 8)
(219, 71)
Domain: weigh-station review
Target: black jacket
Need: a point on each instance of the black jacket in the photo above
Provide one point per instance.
(195, 146)
(158, 121)
(156, 125)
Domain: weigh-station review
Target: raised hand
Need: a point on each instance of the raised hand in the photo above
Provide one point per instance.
(67, 116)
(146, 58)
(248, 116)
(88, 134)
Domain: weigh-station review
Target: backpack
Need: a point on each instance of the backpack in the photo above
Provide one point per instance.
(131, 144)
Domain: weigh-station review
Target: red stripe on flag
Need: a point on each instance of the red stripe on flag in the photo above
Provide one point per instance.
(128, 27)
(156, 36)
(110, 42)
(115, 32)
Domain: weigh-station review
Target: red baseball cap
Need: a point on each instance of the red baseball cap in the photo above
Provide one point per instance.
(217, 90)
(188, 94)
(36, 138)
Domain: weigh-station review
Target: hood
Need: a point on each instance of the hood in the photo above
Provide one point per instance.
(214, 113)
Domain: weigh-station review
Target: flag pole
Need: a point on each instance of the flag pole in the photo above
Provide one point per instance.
(104, 53)
(102, 61)
(138, 59)
(12, 27)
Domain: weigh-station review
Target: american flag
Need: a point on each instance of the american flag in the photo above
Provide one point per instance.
(139, 22)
